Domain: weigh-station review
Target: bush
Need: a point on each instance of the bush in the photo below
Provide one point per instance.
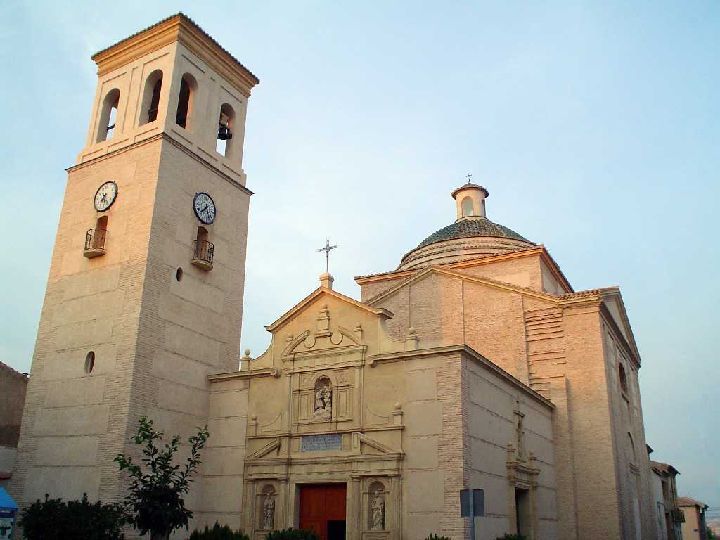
(292, 534)
(436, 537)
(218, 533)
(54, 519)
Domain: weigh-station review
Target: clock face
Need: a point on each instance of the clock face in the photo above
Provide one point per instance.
(105, 196)
(204, 208)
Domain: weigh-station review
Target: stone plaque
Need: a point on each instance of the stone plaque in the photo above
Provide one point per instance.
(317, 443)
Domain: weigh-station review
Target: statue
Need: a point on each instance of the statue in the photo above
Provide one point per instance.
(323, 401)
(268, 512)
(377, 512)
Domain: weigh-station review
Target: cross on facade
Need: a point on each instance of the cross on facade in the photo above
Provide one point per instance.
(469, 177)
(327, 250)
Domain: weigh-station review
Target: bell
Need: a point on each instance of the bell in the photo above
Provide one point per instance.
(224, 133)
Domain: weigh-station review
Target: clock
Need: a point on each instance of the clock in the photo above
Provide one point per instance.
(105, 196)
(204, 208)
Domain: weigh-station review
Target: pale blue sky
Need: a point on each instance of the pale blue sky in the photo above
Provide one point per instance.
(593, 125)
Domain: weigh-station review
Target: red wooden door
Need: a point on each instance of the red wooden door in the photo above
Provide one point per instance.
(320, 504)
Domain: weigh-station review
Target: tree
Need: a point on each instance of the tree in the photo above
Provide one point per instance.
(155, 501)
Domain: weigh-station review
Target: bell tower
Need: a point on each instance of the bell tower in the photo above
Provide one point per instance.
(145, 291)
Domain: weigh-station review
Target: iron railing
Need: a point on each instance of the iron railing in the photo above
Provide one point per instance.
(204, 251)
(95, 239)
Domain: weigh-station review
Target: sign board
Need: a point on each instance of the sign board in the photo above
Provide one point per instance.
(473, 508)
(318, 443)
(6, 527)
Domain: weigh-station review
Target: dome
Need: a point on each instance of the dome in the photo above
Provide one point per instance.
(470, 227)
(472, 235)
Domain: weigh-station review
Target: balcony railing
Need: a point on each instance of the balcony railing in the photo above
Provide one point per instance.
(203, 253)
(95, 243)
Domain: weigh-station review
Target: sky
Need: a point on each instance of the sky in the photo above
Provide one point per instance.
(594, 125)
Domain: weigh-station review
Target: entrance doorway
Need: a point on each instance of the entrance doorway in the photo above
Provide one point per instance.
(522, 512)
(322, 509)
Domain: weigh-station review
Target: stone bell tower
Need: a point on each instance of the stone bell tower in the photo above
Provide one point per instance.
(145, 292)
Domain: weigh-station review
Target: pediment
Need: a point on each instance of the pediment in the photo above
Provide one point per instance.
(326, 322)
(615, 306)
(318, 295)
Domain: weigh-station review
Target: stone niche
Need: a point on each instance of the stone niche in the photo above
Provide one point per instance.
(267, 507)
(324, 396)
(379, 506)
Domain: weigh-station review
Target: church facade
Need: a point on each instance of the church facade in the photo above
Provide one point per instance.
(473, 365)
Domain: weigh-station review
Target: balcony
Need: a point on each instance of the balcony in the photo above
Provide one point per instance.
(203, 252)
(94, 243)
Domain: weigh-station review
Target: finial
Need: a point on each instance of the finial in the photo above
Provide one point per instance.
(469, 177)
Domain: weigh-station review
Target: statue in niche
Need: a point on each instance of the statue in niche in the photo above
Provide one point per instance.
(323, 400)
(268, 522)
(377, 511)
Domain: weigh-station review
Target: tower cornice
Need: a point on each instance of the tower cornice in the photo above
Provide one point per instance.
(177, 28)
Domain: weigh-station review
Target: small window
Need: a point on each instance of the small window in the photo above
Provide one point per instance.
(108, 116)
(151, 98)
(89, 362)
(632, 456)
(179, 274)
(623, 378)
(225, 130)
(185, 99)
(467, 207)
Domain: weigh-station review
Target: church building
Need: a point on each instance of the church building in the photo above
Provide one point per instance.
(474, 365)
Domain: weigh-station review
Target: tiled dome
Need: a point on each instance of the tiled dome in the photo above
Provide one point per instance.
(471, 227)
(472, 235)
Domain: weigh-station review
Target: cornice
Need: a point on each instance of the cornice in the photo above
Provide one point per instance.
(479, 261)
(631, 348)
(251, 374)
(182, 29)
(400, 356)
(168, 138)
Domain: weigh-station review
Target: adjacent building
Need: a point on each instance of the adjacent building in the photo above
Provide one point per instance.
(669, 515)
(12, 398)
(694, 527)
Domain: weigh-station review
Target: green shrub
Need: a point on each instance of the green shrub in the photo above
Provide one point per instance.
(55, 519)
(292, 534)
(436, 537)
(218, 533)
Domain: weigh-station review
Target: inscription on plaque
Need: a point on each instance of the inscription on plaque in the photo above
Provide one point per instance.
(317, 443)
